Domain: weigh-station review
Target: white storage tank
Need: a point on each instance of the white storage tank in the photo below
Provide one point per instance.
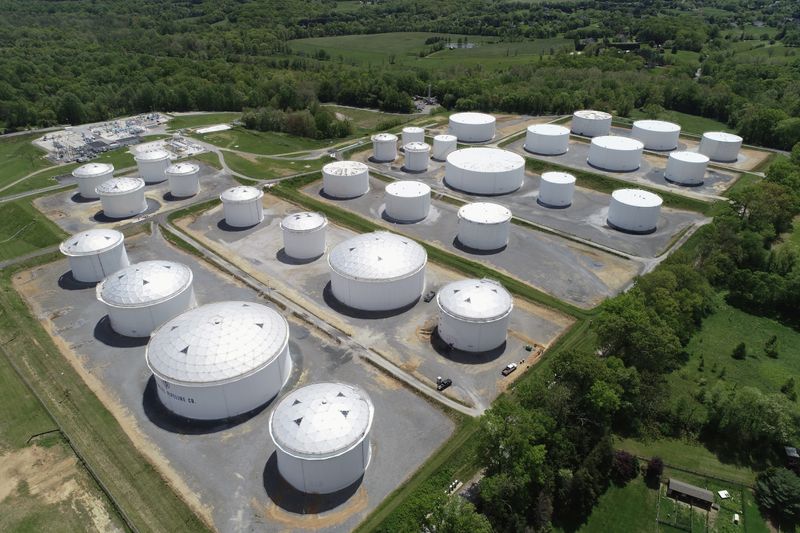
(484, 170)
(686, 168)
(141, 297)
(345, 179)
(242, 206)
(547, 139)
(474, 314)
(472, 127)
(94, 254)
(591, 123)
(407, 201)
(618, 154)
(556, 189)
(220, 360)
(377, 271)
(91, 176)
(634, 211)
(322, 436)
(442, 146)
(304, 235)
(122, 197)
(152, 165)
(384, 147)
(184, 179)
(417, 156)
(413, 134)
(720, 146)
(484, 226)
(656, 134)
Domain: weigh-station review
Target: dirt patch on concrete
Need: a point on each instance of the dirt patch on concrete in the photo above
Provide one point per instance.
(357, 503)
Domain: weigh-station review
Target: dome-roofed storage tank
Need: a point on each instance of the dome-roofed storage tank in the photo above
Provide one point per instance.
(484, 226)
(634, 211)
(417, 156)
(184, 179)
(407, 201)
(220, 360)
(472, 127)
(474, 314)
(242, 206)
(413, 134)
(384, 147)
(656, 134)
(720, 146)
(686, 168)
(322, 436)
(442, 146)
(94, 254)
(304, 235)
(617, 154)
(556, 189)
(122, 197)
(484, 171)
(591, 123)
(142, 296)
(547, 139)
(91, 176)
(377, 271)
(152, 165)
(345, 179)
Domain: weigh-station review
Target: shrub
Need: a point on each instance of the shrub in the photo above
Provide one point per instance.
(740, 352)
(624, 468)
(655, 469)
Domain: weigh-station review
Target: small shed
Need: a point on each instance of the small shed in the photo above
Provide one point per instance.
(690, 493)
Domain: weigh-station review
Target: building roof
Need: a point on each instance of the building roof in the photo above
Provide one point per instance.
(217, 342)
(791, 451)
(475, 300)
(305, 221)
(91, 242)
(691, 490)
(145, 283)
(377, 256)
(116, 186)
(321, 420)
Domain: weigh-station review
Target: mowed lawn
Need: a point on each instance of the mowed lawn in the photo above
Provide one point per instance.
(367, 120)
(18, 158)
(264, 168)
(23, 229)
(629, 508)
(262, 142)
(688, 123)
(498, 55)
(202, 119)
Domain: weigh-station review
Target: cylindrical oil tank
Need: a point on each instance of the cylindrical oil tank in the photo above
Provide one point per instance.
(384, 147)
(484, 171)
(220, 360)
(345, 179)
(614, 153)
(634, 211)
(122, 197)
(484, 226)
(686, 168)
(377, 271)
(474, 314)
(556, 189)
(413, 134)
(95, 253)
(591, 123)
(152, 165)
(141, 297)
(417, 156)
(184, 179)
(91, 176)
(472, 127)
(321, 434)
(720, 146)
(442, 146)
(547, 139)
(304, 235)
(407, 201)
(242, 206)
(656, 134)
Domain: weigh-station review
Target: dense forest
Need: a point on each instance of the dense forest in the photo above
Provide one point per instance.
(84, 60)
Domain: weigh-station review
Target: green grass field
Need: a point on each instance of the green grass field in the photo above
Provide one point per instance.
(18, 158)
(262, 142)
(209, 158)
(628, 508)
(689, 123)
(202, 119)
(263, 168)
(367, 120)
(23, 229)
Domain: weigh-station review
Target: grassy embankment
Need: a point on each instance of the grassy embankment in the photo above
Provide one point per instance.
(263, 142)
(265, 168)
(202, 119)
(23, 229)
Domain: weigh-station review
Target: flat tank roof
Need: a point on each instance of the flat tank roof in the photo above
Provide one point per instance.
(408, 189)
(182, 169)
(321, 420)
(152, 155)
(592, 114)
(345, 168)
(485, 213)
(485, 159)
(217, 343)
(384, 137)
(616, 142)
(561, 178)
(417, 147)
(722, 136)
(412, 129)
(305, 221)
(657, 125)
(241, 193)
(116, 186)
(377, 256)
(475, 300)
(91, 242)
(472, 118)
(689, 157)
(637, 197)
(143, 284)
(445, 137)
(92, 169)
(548, 129)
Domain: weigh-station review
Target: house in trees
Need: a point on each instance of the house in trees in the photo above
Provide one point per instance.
(690, 494)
